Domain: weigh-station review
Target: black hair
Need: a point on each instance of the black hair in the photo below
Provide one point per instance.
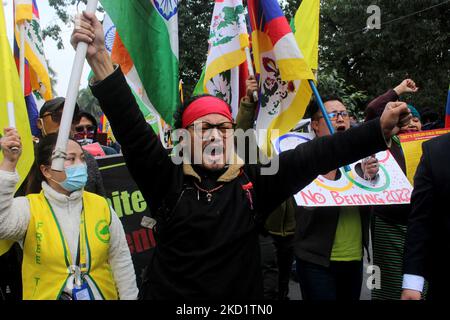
(429, 115)
(91, 118)
(43, 152)
(313, 106)
(178, 115)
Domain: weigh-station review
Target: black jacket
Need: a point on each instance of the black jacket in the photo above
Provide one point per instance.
(210, 250)
(316, 230)
(427, 246)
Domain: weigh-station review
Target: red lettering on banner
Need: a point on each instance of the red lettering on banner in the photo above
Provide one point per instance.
(315, 198)
(378, 199)
(349, 199)
(140, 240)
(337, 198)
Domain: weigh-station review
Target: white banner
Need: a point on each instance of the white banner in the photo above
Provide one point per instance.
(390, 186)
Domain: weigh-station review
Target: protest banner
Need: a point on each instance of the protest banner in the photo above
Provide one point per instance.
(127, 201)
(412, 148)
(390, 186)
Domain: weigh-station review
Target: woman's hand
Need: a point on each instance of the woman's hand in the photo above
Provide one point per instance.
(12, 149)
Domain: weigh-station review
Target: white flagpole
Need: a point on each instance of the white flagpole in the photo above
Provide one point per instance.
(60, 153)
(251, 72)
(22, 55)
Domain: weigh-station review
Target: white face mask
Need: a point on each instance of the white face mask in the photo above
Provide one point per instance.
(85, 141)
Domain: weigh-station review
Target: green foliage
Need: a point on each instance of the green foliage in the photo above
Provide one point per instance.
(61, 7)
(89, 103)
(409, 44)
(331, 83)
(194, 20)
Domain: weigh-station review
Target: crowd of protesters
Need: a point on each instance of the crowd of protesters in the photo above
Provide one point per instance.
(224, 229)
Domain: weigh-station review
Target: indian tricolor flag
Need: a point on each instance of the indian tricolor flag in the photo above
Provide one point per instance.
(119, 54)
(284, 73)
(148, 31)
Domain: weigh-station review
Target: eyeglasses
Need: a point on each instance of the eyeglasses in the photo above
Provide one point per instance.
(334, 115)
(57, 115)
(206, 128)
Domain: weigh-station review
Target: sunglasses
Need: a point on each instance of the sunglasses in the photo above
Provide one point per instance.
(57, 115)
(87, 128)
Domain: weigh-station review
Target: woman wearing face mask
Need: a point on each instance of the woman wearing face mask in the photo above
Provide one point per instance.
(74, 245)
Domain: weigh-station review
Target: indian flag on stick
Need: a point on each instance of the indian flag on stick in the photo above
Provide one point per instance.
(119, 54)
(228, 38)
(149, 32)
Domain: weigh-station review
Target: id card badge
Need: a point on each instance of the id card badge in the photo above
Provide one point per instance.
(82, 293)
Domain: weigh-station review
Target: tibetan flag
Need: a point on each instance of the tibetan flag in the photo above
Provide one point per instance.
(119, 54)
(228, 85)
(306, 31)
(33, 114)
(23, 11)
(27, 82)
(11, 93)
(284, 73)
(148, 30)
(36, 69)
(228, 39)
(447, 110)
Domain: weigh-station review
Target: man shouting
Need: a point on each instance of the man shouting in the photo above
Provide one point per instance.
(208, 212)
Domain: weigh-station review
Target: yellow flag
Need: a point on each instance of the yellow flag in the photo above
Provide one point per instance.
(24, 10)
(306, 23)
(11, 92)
(27, 14)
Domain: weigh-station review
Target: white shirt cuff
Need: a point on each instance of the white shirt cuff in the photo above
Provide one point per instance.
(413, 282)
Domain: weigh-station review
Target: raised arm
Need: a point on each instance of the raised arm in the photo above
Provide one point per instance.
(146, 158)
(300, 166)
(14, 212)
(376, 106)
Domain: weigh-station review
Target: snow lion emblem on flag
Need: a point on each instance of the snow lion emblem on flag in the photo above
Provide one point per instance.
(167, 8)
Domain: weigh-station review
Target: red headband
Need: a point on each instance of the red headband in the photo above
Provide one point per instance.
(204, 106)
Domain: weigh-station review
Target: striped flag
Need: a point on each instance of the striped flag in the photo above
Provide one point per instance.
(11, 93)
(228, 38)
(148, 30)
(36, 70)
(119, 54)
(284, 73)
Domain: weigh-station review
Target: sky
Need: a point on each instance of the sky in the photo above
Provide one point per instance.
(60, 60)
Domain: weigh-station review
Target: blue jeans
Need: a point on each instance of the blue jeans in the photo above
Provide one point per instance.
(340, 281)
